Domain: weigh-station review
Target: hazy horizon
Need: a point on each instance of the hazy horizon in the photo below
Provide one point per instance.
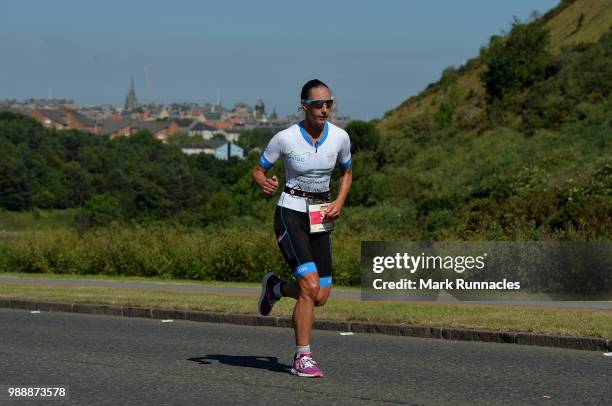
(373, 57)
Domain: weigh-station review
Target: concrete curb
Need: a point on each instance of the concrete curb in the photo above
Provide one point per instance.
(570, 342)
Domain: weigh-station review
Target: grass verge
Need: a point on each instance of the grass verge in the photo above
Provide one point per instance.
(594, 323)
(149, 279)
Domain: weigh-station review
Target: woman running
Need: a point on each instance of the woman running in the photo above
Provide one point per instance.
(310, 150)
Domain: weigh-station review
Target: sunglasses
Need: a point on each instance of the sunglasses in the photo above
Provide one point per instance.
(317, 104)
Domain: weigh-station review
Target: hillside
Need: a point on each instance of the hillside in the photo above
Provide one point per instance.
(514, 145)
(571, 22)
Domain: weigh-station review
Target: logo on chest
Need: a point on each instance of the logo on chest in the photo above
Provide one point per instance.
(295, 157)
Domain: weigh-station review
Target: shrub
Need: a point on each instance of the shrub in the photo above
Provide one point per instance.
(444, 116)
(364, 135)
(100, 210)
(517, 61)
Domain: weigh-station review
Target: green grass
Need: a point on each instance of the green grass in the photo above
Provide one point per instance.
(149, 280)
(500, 318)
(597, 15)
(11, 221)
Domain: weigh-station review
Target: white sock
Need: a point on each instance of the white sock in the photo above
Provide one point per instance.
(277, 290)
(300, 349)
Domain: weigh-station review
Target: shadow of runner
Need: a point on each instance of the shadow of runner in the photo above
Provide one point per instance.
(247, 361)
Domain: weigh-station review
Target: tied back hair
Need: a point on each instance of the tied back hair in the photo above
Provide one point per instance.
(311, 84)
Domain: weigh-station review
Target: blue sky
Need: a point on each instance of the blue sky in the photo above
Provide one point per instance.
(373, 54)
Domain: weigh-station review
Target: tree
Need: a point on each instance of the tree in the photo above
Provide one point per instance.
(444, 116)
(77, 182)
(220, 208)
(364, 135)
(256, 138)
(100, 210)
(15, 183)
(516, 62)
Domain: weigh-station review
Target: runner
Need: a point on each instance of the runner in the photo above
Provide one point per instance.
(310, 150)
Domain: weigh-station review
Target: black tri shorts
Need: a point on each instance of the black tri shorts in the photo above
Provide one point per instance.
(304, 252)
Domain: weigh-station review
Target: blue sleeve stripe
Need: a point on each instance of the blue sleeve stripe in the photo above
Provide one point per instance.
(346, 165)
(304, 269)
(264, 162)
(325, 282)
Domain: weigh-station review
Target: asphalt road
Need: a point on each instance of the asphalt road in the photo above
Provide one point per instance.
(114, 360)
(338, 294)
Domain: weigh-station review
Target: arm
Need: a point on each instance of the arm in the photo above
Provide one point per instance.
(335, 207)
(267, 185)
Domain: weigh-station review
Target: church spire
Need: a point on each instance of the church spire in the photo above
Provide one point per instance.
(131, 102)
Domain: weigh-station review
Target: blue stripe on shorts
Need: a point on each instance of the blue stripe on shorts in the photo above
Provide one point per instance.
(304, 269)
(325, 282)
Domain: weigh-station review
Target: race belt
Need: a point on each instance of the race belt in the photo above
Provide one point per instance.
(324, 196)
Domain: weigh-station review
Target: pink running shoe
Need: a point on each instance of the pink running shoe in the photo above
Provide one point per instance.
(267, 298)
(305, 366)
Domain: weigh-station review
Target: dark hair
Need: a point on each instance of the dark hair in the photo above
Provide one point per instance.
(310, 85)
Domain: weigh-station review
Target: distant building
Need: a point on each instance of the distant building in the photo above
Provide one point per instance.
(185, 124)
(9, 109)
(127, 127)
(183, 110)
(160, 129)
(260, 110)
(63, 119)
(273, 117)
(79, 121)
(203, 130)
(232, 135)
(115, 128)
(205, 120)
(214, 112)
(243, 114)
(49, 104)
(221, 149)
(131, 102)
(192, 149)
(53, 119)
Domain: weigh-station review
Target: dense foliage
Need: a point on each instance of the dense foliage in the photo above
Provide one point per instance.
(128, 179)
(517, 61)
(256, 138)
(535, 164)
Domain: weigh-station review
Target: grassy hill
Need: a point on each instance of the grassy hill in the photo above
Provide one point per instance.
(533, 163)
(579, 21)
(570, 23)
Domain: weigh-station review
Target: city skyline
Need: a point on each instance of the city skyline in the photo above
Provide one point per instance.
(373, 58)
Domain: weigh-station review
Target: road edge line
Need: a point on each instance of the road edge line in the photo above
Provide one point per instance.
(443, 333)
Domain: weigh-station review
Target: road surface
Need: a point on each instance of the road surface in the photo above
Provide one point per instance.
(131, 361)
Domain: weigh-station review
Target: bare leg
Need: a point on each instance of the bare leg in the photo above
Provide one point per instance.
(303, 313)
(308, 294)
(322, 296)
